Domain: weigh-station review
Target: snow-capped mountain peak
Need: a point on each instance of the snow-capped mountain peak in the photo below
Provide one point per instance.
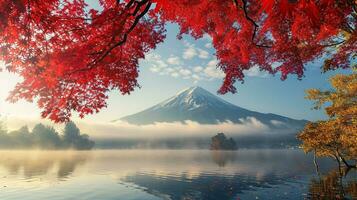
(192, 98)
(197, 104)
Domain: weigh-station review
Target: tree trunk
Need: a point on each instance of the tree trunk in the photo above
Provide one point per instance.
(345, 162)
(338, 162)
(316, 164)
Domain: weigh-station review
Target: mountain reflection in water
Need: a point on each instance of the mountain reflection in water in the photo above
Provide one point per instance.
(170, 174)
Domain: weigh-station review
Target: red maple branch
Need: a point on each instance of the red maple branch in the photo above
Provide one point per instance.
(106, 52)
(256, 26)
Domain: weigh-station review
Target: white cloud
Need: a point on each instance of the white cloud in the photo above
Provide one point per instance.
(177, 67)
(208, 45)
(161, 64)
(212, 63)
(174, 66)
(211, 70)
(152, 56)
(203, 54)
(155, 69)
(169, 69)
(120, 129)
(186, 43)
(188, 129)
(175, 74)
(277, 123)
(256, 72)
(158, 130)
(196, 77)
(185, 72)
(155, 60)
(207, 37)
(174, 60)
(189, 53)
(253, 121)
(198, 69)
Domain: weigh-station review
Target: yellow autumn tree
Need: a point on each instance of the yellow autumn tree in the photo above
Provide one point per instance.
(337, 136)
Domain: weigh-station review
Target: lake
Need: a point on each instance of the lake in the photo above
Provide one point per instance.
(170, 174)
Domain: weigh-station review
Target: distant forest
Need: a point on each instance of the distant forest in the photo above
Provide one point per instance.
(45, 137)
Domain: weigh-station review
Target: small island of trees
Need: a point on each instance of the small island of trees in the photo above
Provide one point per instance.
(45, 137)
(221, 142)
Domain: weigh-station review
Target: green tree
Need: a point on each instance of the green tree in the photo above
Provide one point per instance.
(21, 138)
(46, 137)
(2, 128)
(71, 133)
(73, 138)
(3, 135)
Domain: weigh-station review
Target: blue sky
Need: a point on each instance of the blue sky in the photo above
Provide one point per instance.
(178, 64)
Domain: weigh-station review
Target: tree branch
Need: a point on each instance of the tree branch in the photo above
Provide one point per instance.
(334, 44)
(105, 53)
(344, 160)
(125, 37)
(256, 26)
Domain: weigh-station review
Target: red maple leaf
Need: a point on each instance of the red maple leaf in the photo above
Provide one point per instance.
(70, 58)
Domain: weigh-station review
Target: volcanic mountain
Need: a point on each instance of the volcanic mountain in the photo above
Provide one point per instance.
(199, 105)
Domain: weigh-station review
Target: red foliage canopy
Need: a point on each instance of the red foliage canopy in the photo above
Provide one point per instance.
(70, 55)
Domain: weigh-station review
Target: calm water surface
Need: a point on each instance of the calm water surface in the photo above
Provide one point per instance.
(170, 174)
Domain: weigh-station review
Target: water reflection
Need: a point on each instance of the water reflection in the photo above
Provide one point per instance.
(41, 163)
(249, 173)
(165, 174)
(334, 185)
(204, 186)
(221, 158)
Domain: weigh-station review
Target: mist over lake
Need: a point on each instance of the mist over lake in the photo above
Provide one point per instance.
(168, 174)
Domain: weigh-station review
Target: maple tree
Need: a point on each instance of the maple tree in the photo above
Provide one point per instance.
(70, 54)
(337, 136)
